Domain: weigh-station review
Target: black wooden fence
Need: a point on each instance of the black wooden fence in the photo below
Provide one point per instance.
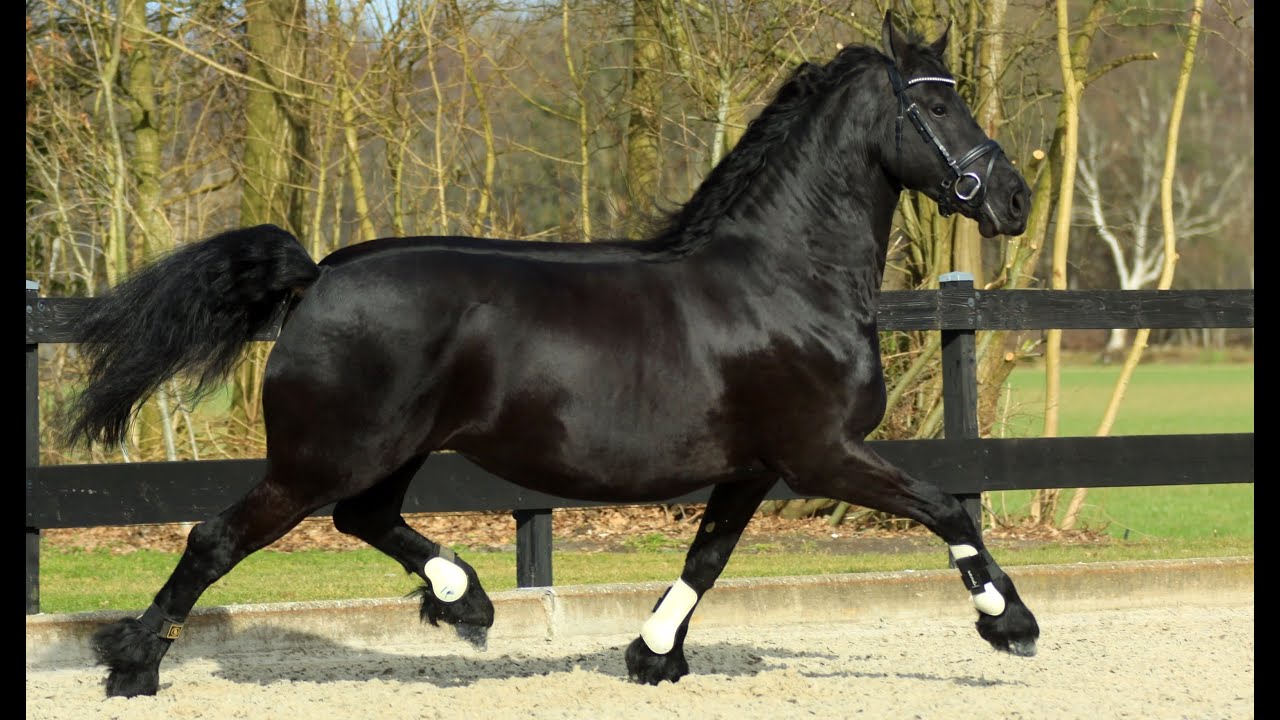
(60, 496)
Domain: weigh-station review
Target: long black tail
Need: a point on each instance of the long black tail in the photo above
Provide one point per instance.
(190, 312)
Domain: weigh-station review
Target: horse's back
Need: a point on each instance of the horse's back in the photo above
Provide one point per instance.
(514, 289)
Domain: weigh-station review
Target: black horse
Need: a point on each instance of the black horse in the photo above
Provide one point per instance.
(736, 346)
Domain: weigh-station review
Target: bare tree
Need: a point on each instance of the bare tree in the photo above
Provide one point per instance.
(273, 174)
(274, 131)
(644, 113)
(1169, 237)
(520, 120)
(1118, 180)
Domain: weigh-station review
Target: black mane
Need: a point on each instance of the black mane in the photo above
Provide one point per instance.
(691, 226)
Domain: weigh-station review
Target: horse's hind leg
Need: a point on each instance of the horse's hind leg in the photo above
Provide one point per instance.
(133, 648)
(864, 478)
(658, 654)
(452, 590)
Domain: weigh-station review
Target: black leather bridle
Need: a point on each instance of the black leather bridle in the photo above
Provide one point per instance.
(964, 189)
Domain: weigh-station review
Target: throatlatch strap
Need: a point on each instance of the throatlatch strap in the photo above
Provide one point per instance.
(158, 623)
(974, 573)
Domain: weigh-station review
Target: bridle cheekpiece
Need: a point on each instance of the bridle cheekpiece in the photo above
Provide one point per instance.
(964, 189)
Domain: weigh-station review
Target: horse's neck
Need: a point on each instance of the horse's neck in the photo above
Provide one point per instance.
(843, 234)
(836, 260)
(848, 268)
(832, 218)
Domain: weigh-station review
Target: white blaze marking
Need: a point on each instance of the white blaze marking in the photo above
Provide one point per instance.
(448, 581)
(989, 601)
(659, 631)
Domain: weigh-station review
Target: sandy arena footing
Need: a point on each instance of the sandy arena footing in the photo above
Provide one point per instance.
(1154, 639)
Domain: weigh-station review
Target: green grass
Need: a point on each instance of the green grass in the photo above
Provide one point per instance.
(1181, 512)
(653, 542)
(1168, 399)
(1174, 399)
(1145, 522)
(75, 581)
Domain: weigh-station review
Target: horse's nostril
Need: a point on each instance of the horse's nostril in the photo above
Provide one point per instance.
(1018, 202)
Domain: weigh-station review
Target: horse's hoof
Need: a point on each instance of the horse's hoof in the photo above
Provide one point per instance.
(477, 635)
(470, 615)
(132, 655)
(1021, 648)
(1015, 630)
(1020, 644)
(649, 668)
(132, 684)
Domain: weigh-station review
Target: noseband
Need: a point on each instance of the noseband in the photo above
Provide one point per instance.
(963, 189)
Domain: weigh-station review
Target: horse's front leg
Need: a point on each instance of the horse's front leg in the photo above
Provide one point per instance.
(862, 477)
(658, 654)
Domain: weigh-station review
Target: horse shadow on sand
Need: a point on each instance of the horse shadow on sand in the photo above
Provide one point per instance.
(318, 659)
(263, 656)
(314, 658)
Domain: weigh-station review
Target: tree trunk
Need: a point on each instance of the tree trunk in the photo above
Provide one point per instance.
(1059, 162)
(1170, 246)
(482, 221)
(578, 79)
(989, 29)
(644, 119)
(274, 170)
(144, 164)
(1045, 512)
(1115, 344)
(153, 233)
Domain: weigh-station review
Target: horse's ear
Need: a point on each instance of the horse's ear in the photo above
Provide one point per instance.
(939, 46)
(890, 37)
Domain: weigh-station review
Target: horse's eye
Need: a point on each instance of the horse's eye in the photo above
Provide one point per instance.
(938, 110)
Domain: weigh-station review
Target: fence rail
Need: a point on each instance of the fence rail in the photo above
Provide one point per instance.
(50, 319)
(60, 496)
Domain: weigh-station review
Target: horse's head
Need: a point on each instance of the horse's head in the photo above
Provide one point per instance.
(933, 144)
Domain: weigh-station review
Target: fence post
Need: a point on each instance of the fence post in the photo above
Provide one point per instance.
(533, 548)
(960, 385)
(32, 449)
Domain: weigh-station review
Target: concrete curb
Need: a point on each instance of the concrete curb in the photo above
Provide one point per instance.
(62, 640)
